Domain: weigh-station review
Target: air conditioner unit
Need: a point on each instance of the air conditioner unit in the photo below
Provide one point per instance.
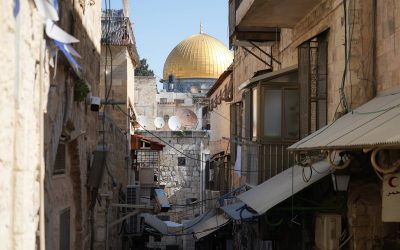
(134, 223)
(327, 231)
(132, 194)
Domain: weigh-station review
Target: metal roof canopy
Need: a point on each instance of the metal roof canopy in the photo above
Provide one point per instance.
(237, 211)
(282, 186)
(376, 122)
(208, 226)
(269, 76)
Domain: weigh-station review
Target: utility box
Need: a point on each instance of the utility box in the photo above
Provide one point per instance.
(328, 229)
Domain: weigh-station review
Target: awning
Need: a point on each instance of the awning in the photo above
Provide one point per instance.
(268, 76)
(282, 186)
(238, 211)
(208, 226)
(137, 139)
(164, 227)
(374, 123)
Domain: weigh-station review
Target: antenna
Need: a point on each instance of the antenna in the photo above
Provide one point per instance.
(174, 123)
(125, 4)
(201, 27)
(159, 122)
(142, 120)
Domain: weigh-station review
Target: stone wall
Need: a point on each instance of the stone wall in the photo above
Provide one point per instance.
(387, 45)
(220, 123)
(182, 182)
(72, 123)
(118, 80)
(145, 99)
(23, 92)
(115, 179)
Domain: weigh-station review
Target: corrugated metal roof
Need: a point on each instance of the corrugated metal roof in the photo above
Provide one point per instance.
(208, 226)
(237, 211)
(282, 186)
(377, 122)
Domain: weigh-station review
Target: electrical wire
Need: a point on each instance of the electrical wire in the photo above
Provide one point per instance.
(191, 233)
(177, 150)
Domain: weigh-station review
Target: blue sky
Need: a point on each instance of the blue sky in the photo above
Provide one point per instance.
(159, 25)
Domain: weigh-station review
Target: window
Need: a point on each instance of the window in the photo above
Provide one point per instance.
(254, 112)
(272, 112)
(65, 230)
(281, 113)
(181, 161)
(59, 163)
(313, 75)
(166, 118)
(179, 101)
(235, 127)
(247, 116)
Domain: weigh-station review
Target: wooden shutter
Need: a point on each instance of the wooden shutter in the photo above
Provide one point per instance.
(304, 83)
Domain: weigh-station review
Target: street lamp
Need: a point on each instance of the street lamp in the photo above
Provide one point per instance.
(340, 179)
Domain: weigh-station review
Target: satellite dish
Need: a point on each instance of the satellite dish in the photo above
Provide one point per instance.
(159, 122)
(187, 117)
(142, 120)
(174, 123)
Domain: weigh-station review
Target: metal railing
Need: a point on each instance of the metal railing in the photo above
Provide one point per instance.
(262, 161)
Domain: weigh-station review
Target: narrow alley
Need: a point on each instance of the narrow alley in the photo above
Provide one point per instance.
(200, 125)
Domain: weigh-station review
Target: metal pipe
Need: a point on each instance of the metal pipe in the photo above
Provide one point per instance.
(265, 53)
(131, 206)
(256, 56)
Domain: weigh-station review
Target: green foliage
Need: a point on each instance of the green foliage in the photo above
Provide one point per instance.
(143, 69)
(81, 90)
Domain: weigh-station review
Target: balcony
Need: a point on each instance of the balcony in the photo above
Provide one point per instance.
(260, 20)
(264, 161)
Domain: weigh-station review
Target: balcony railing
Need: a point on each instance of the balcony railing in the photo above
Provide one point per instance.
(261, 162)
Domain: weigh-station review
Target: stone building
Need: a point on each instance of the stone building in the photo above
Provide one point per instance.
(190, 70)
(320, 71)
(145, 99)
(23, 90)
(69, 138)
(63, 184)
(181, 173)
(119, 58)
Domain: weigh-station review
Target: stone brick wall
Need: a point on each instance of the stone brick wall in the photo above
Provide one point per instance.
(73, 123)
(121, 83)
(145, 98)
(388, 44)
(115, 179)
(220, 123)
(182, 182)
(23, 92)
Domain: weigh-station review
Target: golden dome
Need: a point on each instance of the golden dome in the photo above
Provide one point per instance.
(198, 56)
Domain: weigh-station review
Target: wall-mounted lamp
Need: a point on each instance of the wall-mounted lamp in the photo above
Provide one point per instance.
(340, 179)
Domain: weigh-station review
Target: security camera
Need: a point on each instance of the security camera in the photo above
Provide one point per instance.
(95, 103)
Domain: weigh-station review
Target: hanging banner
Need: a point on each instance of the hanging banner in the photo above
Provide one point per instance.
(391, 198)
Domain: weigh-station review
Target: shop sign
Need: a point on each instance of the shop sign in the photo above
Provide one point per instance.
(391, 198)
